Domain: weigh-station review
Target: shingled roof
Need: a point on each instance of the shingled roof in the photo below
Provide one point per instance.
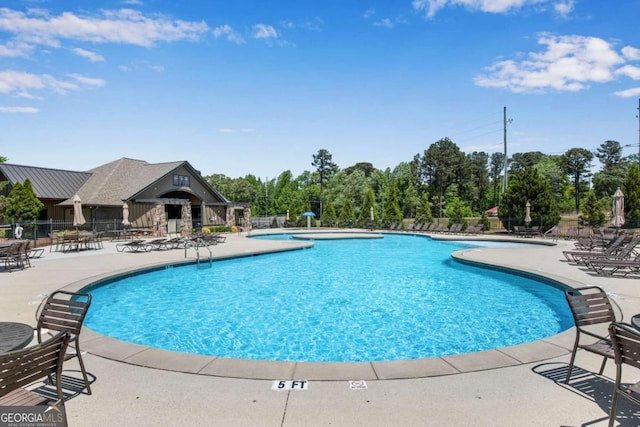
(122, 179)
(47, 183)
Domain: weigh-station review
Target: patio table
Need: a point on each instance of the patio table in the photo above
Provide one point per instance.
(14, 336)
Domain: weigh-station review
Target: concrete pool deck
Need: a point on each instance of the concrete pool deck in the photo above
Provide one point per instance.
(509, 386)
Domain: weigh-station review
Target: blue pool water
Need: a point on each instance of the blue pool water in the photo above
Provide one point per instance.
(400, 297)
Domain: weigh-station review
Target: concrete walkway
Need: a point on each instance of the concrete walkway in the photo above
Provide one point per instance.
(518, 385)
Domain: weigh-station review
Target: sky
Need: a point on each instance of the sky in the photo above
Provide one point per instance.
(255, 87)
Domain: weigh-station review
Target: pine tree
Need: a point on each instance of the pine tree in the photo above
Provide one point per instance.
(392, 213)
(592, 212)
(423, 214)
(23, 203)
(346, 214)
(367, 204)
(329, 214)
(528, 186)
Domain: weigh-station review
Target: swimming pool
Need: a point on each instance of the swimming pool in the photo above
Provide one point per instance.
(401, 297)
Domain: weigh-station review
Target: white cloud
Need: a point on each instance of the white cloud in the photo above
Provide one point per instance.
(628, 93)
(87, 81)
(141, 65)
(21, 84)
(314, 24)
(18, 110)
(564, 8)
(431, 7)
(369, 13)
(91, 56)
(263, 31)
(569, 63)
(14, 49)
(124, 26)
(386, 22)
(631, 53)
(229, 33)
(630, 71)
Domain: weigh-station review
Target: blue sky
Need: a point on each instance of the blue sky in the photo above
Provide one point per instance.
(245, 86)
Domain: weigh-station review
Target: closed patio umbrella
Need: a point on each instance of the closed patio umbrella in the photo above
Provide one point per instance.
(78, 218)
(527, 215)
(125, 215)
(617, 209)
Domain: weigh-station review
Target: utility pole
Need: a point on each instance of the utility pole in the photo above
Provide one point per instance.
(504, 180)
(638, 116)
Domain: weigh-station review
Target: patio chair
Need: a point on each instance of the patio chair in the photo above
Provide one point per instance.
(62, 311)
(624, 253)
(11, 255)
(590, 306)
(608, 266)
(437, 229)
(24, 253)
(626, 347)
(578, 256)
(19, 369)
(138, 245)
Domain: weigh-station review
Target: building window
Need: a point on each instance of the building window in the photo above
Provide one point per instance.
(181, 181)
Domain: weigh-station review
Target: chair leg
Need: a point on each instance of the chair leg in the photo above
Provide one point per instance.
(614, 405)
(571, 362)
(82, 368)
(604, 362)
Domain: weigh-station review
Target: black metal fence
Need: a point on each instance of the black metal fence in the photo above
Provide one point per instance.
(39, 229)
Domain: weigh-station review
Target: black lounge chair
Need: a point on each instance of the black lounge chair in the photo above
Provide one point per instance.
(134, 246)
(578, 256)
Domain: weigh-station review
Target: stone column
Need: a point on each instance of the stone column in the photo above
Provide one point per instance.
(186, 221)
(159, 221)
(231, 218)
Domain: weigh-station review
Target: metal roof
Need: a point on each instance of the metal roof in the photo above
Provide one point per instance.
(47, 183)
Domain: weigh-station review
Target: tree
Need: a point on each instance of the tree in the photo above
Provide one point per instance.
(423, 214)
(613, 172)
(496, 166)
(329, 215)
(346, 214)
(592, 212)
(325, 169)
(475, 184)
(391, 210)
(609, 153)
(631, 190)
(577, 164)
(442, 165)
(365, 167)
(528, 186)
(551, 169)
(521, 161)
(456, 210)
(23, 203)
(367, 205)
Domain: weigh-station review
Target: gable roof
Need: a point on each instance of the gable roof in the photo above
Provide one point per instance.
(47, 183)
(122, 179)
